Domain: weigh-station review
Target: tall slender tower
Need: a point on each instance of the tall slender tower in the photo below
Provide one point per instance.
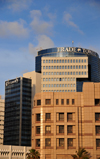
(17, 125)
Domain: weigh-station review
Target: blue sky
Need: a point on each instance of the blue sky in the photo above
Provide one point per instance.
(26, 26)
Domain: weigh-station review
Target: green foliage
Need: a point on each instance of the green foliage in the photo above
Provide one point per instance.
(81, 154)
(33, 154)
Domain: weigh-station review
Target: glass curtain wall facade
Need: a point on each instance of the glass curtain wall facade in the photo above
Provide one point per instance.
(74, 53)
(17, 125)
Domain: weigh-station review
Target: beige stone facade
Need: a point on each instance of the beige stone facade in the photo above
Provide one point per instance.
(59, 74)
(64, 121)
(2, 109)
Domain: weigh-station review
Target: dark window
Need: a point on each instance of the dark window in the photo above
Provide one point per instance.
(61, 116)
(48, 101)
(67, 101)
(48, 142)
(37, 117)
(61, 142)
(70, 129)
(73, 101)
(70, 142)
(61, 128)
(97, 101)
(37, 129)
(69, 116)
(48, 116)
(97, 116)
(62, 101)
(48, 129)
(97, 129)
(57, 101)
(97, 143)
(38, 102)
(37, 142)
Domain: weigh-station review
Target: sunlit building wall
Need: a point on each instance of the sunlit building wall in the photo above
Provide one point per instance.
(64, 121)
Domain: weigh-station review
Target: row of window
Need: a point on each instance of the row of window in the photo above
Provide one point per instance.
(58, 90)
(60, 129)
(59, 142)
(58, 79)
(65, 67)
(64, 73)
(60, 116)
(58, 85)
(58, 101)
(65, 61)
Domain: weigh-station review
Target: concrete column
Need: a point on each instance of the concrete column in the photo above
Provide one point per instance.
(10, 152)
(24, 152)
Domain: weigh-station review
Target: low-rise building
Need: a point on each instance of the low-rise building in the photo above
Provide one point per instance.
(13, 152)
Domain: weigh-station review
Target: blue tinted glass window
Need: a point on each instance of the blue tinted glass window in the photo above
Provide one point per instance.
(85, 61)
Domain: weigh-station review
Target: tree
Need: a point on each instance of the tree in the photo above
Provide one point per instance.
(81, 154)
(33, 154)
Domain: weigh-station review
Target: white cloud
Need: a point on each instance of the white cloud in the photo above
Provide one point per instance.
(13, 28)
(18, 5)
(35, 13)
(44, 42)
(67, 18)
(38, 25)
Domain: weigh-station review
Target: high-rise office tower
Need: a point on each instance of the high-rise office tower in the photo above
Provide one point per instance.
(2, 109)
(17, 125)
(65, 69)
